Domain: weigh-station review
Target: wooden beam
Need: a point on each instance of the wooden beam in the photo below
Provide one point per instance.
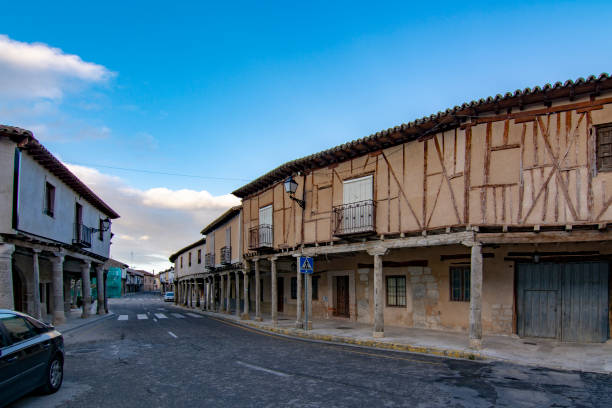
(543, 237)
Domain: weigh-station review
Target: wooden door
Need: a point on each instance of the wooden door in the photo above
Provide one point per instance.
(342, 296)
(280, 294)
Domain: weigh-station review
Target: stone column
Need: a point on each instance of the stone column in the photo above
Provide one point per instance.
(100, 286)
(86, 282)
(379, 301)
(274, 293)
(308, 323)
(204, 294)
(176, 293)
(190, 291)
(221, 293)
(105, 277)
(228, 292)
(299, 323)
(67, 285)
(6, 276)
(57, 270)
(245, 276)
(258, 290)
(197, 292)
(476, 297)
(213, 293)
(237, 276)
(36, 311)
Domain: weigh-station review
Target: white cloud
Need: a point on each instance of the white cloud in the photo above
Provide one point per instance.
(155, 222)
(36, 70)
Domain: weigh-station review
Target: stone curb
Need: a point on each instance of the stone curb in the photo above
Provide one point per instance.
(440, 352)
(86, 322)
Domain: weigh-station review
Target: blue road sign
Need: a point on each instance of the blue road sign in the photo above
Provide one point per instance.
(306, 264)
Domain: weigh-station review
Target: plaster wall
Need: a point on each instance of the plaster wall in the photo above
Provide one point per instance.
(195, 266)
(60, 226)
(7, 158)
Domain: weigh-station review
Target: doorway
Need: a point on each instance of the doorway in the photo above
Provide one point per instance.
(342, 296)
(280, 294)
(18, 292)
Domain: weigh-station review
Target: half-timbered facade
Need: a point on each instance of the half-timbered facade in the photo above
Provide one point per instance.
(491, 216)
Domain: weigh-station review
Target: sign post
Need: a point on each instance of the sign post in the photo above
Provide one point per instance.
(306, 268)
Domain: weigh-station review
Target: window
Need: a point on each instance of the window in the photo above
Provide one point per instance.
(199, 256)
(315, 287)
(181, 261)
(189, 261)
(17, 328)
(294, 288)
(396, 291)
(101, 230)
(460, 283)
(604, 147)
(49, 199)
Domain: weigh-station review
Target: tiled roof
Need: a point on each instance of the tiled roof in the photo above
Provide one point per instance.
(450, 118)
(28, 143)
(221, 219)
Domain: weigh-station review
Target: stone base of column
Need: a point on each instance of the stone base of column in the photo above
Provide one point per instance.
(378, 335)
(59, 318)
(274, 324)
(258, 319)
(476, 344)
(299, 325)
(245, 316)
(308, 325)
(86, 308)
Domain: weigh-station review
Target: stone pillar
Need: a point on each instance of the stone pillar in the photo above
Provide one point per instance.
(105, 277)
(57, 266)
(213, 294)
(190, 292)
(274, 293)
(100, 286)
(221, 293)
(299, 323)
(237, 276)
(6, 276)
(245, 276)
(67, 285)
(36, 310)
(476, 297)
(86, 285)
(379, 301)
(228, 291)
(308, 323)
(176, 293)
(258, 290)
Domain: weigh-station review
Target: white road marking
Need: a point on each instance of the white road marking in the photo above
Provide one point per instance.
(122, 317)
(265, 370)
(193, 315)
(178, 315)
(173, 335)
(142, 316)
(161, 316)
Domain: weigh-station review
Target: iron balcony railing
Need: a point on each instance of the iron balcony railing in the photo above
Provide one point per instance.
(226, 255)
(82, 236)
(354, 218)
(260, 237)
(209, 260)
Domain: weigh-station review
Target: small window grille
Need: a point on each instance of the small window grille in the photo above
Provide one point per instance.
(396, 291)
(460, 283)
(604, 148)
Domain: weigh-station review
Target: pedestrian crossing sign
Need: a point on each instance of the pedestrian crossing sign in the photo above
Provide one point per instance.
(306, 264)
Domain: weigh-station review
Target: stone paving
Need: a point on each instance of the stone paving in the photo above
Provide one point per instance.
(592, 357)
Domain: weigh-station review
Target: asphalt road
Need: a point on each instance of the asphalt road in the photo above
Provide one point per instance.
(155, 355)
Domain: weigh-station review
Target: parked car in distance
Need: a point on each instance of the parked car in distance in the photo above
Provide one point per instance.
(169, 297)
(31, 356)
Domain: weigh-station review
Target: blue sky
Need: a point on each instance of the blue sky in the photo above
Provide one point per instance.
(233, 90)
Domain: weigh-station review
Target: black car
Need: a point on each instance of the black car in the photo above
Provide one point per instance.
(31, 356)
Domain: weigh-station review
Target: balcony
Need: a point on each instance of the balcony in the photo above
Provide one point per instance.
(82, 236)
(354, 218)
(260, 237)
(226, 255)
(209, 261)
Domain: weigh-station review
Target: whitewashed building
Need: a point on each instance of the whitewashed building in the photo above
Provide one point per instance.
(54, 231)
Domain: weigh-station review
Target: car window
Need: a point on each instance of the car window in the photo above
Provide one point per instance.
(17, 328)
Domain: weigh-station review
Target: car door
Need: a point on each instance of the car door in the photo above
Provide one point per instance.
(22, 362)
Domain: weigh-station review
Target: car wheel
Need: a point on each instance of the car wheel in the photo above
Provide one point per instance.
(54, 376)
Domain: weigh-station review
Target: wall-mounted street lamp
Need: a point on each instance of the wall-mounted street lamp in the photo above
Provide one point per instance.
(105, 226)
(291, 187)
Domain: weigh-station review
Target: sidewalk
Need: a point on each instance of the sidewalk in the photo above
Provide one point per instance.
(74, 320)
(590, 357)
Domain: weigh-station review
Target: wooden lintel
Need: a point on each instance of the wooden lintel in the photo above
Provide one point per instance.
(543, 237)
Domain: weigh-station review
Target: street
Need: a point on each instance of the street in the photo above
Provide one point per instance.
(157, 355)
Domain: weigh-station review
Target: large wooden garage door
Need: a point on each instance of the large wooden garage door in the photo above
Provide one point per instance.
(566, 301)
